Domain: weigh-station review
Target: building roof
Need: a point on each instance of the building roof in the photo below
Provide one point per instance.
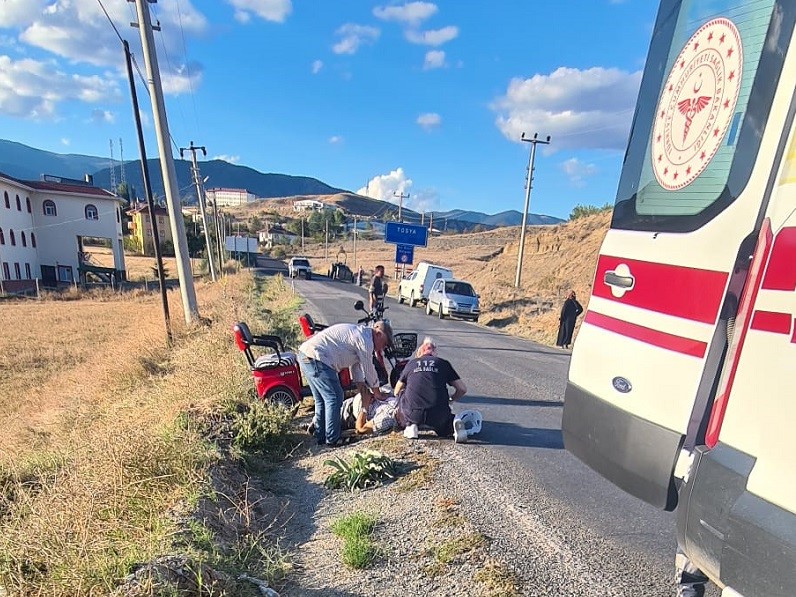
(77, 189)
(225, 190)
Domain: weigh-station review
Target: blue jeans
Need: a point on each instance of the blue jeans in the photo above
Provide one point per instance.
(328, 394)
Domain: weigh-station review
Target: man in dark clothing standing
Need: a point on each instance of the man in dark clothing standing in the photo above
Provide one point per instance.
(423, 393)
(569, 313)
(378, 287)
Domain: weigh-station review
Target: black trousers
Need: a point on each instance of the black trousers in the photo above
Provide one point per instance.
(440, 419)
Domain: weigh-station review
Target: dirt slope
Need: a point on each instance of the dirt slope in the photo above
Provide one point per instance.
(556, 259)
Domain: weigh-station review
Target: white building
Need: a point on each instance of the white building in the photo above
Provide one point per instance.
(276, 235)
(229, 197)
(310, 205)
(43, 226)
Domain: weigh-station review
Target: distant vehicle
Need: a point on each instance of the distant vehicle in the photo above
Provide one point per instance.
(417, 286)
(299, 266)
(453, 298)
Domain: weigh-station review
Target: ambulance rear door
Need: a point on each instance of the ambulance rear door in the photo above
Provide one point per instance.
(713, 105)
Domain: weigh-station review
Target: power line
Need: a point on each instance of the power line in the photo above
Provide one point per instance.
(119, 35)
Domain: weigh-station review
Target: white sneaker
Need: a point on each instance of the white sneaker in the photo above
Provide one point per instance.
(411, 431)
(459, 431)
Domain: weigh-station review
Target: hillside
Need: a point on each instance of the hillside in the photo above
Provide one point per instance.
(557, 259)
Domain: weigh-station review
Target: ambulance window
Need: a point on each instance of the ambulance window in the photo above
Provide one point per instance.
(698, 124)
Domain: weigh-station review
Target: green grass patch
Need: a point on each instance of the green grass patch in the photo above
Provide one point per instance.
(448, 550)
(356, 530)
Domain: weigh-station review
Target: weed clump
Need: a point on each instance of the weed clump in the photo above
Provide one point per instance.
(358, 548)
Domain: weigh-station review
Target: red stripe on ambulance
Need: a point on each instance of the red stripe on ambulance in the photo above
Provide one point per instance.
(688, 346)
(686, 292)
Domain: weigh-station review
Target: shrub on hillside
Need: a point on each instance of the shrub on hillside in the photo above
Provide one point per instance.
(580, 211)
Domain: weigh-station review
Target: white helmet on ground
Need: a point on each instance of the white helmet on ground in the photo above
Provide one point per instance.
(472, 421)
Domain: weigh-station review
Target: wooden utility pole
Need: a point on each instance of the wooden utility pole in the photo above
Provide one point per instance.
(401, 198)
(172, 190)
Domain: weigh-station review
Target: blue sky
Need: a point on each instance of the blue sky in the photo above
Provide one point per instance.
(425, 98)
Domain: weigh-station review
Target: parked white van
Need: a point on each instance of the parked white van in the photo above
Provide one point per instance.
(417, 286)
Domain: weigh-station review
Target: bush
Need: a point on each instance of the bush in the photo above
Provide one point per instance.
(580, 211)
(355, 530)
(260, 427)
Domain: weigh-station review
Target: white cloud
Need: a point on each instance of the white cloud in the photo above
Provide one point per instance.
(317, 66)
(434, 59)
(386, 186)
(433, 37)
(335, 139)
(580, 109)
(65, 141)
(352, 36)
(429, 120)
(410, 13)
(183, 79)
(102, 117)
(32, 88)
(577, 171)
(232, 159)
(269, 10)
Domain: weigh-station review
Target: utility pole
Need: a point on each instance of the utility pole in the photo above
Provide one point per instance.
(200, 197)
(326, 248)
(302, 233)
(187, 292)
(148, 193)
(355, 242)
(431, 223)
(529, 183)
(401, 198)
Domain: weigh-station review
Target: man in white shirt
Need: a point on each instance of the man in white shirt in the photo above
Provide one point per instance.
(325, 354)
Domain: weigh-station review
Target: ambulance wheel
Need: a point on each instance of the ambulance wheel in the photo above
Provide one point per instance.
(281, 396)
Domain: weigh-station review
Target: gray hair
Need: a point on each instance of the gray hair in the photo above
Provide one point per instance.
(427, 341)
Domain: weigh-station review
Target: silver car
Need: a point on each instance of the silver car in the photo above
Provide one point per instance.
(453, 298)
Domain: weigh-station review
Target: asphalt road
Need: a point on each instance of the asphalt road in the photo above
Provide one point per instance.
(555, 519)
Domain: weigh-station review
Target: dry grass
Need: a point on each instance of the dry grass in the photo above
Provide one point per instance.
(96, 451)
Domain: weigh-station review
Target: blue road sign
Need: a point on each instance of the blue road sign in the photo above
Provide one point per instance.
(405, 234)
(404, 254)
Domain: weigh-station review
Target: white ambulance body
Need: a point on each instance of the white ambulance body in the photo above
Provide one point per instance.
(680, 386)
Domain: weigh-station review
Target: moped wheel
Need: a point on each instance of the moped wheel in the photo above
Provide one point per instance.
(281, 396)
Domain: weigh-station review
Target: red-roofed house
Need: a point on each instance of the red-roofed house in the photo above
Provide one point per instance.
(43, 224)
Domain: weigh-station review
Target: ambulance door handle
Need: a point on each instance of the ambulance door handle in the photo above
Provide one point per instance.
(618, 281)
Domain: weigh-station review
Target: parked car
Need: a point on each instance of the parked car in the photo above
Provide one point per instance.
(453, 298)
(298, 266)
(416, 287)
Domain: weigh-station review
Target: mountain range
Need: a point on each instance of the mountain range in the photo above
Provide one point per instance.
(28, 163)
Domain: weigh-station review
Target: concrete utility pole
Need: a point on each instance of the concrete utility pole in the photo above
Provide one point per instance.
(355, 242)
(528, 186)
(401, 198)
(326, 247)
(170, 186)
(200, 197)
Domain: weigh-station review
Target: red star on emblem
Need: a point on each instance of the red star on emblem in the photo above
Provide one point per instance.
(658, 139)
(688, 171)
(660, 157)
(715, 132)
(731, 76)
(671, 87)
(674, 176)
(710, 36)
(729, 52)
(696, 46)
(722, 38)
(663, 113)
(682, 63)
(665, 171)
(702, 156)
(726, 103)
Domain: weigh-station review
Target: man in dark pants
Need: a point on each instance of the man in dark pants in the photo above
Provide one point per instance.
(569, 313)
(378, 287)
(325, 354)
(422, 391)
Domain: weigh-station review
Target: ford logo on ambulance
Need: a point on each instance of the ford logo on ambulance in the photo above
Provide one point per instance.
(621, 385)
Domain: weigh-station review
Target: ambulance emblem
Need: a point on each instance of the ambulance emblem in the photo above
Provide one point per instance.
(697, 104)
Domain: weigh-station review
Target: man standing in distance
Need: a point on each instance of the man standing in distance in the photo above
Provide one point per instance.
(378, 287)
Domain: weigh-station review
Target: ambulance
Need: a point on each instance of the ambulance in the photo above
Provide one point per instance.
(681, 385)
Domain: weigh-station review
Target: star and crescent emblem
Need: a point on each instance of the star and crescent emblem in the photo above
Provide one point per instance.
(697, 104)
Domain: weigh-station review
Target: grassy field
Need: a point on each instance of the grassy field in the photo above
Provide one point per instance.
(105, 426)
